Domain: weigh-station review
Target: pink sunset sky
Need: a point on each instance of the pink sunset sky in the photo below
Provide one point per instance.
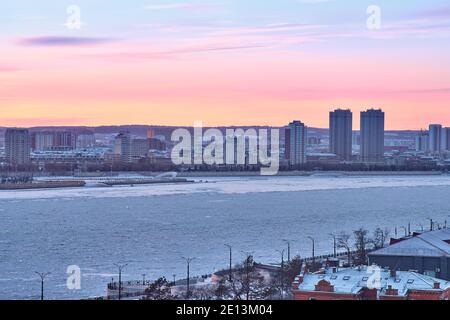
(224, 63)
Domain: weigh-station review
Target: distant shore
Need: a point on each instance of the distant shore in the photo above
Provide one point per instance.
(309, 174)
(147, 178)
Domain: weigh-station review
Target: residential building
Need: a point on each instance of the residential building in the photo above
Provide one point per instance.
(296, 142)
(435, 138)
(446, 139)
(423, 142)
(372, 136)
(53, 141)
(139, 148)
(368, 283)
(85, 140)
(341, 134)
(17, 146)
(122, 147)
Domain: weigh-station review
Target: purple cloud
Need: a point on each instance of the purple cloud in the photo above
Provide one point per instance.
(442, 12)
(62, 41)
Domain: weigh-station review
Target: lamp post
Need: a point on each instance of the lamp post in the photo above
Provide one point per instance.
(281, 252)
(431, 224)
(42, 275)
(313, 251)
(120, 267)
(288, 242)
(334, 245)
(143, 279)
(406, 230)
(231, 261)
(188, 263)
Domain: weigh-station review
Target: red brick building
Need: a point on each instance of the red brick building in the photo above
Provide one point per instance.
(369, 283)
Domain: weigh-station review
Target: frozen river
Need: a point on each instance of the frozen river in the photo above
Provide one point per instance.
(151, 227)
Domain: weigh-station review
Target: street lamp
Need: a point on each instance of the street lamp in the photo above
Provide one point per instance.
(188, 262)
(406, 230)
(231, 261)
(334, 244)
(281, 252)
(42, 275)
(120, 267)
(288, 242)
(313, 249)
(143, 279)
(431, 224)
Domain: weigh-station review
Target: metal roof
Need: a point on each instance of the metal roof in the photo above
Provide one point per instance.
(428, 244)
(353, 280)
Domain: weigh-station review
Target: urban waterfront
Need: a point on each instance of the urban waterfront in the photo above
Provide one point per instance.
(152, 227)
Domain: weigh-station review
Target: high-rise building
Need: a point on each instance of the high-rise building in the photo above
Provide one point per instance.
(122, 146)
(287, 144)
(341, 134)
(445, 139)
(53, 140)
(64, 140)
(296, 142)
(17, 146)
(435, 133)
(139, 148)
(85, 140)
(372, 136)
(422, 142)
(42, 141)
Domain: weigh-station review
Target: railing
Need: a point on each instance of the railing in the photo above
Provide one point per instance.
(327, 256)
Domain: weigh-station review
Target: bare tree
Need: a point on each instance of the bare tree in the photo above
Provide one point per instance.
(343, 242)
(159, 290)
(246, 284)
(293, 269)
(380, 237)
(362, 243)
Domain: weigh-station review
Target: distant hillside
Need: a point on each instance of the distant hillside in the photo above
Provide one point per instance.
(141, 130)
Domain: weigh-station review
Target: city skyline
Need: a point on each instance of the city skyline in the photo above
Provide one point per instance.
(223, 62)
